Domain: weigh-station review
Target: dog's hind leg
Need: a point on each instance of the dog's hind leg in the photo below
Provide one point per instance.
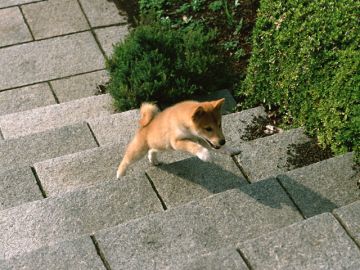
(135, 151)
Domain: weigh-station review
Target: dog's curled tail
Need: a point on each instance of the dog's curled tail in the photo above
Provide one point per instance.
(147, 113)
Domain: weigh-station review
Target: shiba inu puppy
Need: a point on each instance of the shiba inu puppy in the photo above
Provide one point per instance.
(189, 126)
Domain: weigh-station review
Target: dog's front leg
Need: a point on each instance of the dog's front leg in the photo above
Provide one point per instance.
(193, 148)
(229, 150)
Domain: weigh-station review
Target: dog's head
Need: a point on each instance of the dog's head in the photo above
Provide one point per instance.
(207, 122)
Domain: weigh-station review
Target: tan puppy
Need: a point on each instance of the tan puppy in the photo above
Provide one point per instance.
(188, 126)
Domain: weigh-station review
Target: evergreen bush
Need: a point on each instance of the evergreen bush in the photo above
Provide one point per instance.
(159, 63)
(306, 62)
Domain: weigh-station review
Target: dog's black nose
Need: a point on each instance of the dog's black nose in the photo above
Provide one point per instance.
(222, 142)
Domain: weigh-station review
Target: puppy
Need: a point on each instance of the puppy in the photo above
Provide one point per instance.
(189, 126)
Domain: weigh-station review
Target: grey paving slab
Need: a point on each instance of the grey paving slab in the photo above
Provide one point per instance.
(100, 13)
(117, 128)
(8, 3)
(26, 98)
(192, 179)
(323, 186)
(49, 59)
(79, 86)
(110, 36)
(4, 265)
(46, 222)
(244, 126)
(223, 259)
(270, 156)
(54, 17)
(70, 172)
(12, 27)
(94, 166)
(54, 116)
(77, 254)
(166, 239)
(317, 243)
(18, 186)
(349, 216)
(27, 150)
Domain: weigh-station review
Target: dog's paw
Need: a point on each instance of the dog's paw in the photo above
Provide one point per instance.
(204, 155)
(153, 157)
(230, 150)
(155, 162)
(120, 174)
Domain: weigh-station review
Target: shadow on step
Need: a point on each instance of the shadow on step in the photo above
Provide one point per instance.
(310, 202)
(204, 174)
(192, 179)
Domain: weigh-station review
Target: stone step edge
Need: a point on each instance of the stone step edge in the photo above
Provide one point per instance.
(114, 145)
(57, 104)
(39, 116)
(93, 234)
(218, 94)
(119, 146)
(235, 248)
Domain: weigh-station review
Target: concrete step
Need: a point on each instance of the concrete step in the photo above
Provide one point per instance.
(54, 116)
(90, 167)
(316, 243)
(166, 240)
(273, 155)
(349, 216)
(79, 254)
(225, 258)
(62, 90)
(33, 225)
(323, 186)
(116, 128)
(18, 186)
(192, 179)
(326, 244)
(26, 98)
(48, 59)
(24, 151)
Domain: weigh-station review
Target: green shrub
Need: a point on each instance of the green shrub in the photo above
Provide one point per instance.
(306, 61)
(162, 64)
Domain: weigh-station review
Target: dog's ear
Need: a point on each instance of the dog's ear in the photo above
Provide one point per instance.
(199, 112)
(218, 103)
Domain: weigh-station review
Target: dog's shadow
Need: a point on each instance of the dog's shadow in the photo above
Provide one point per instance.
(204, 174)
(214, 178)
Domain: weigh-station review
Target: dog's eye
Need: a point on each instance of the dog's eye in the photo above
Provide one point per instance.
(208, 129)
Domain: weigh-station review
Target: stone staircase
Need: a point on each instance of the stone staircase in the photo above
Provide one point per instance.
(269, 207)
(275, 205)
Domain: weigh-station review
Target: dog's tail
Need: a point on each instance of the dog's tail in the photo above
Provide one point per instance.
(147, 113)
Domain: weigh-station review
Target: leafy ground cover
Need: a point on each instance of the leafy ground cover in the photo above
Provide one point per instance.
(305, 65)
(159, 63)
(232, 21)
(181, 49)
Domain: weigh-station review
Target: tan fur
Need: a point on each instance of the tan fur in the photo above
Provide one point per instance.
(180, 127)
